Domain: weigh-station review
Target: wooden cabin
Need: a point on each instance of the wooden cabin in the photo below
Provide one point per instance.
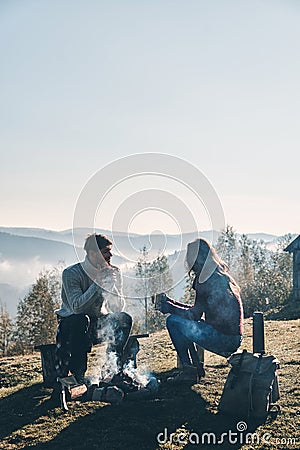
(294, 247)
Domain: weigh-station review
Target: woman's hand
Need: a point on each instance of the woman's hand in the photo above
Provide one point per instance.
(162, 303)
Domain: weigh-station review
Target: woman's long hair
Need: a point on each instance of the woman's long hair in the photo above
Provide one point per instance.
(202, 259)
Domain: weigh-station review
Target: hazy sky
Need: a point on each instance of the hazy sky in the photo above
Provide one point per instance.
(214, 82)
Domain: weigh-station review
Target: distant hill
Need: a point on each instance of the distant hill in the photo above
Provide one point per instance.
(126, 241)
(22, 258)
(62, 236)
(128, 245)
(15, 247)
(263, 237)
(24, 252)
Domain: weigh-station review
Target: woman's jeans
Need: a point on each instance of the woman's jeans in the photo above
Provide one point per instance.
(184, 332)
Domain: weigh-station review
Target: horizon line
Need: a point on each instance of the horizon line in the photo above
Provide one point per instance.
(107, 231)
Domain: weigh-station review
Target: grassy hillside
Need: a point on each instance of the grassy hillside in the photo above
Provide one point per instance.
(30, 418)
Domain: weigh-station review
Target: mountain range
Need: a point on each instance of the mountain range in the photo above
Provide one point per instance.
(24, 252)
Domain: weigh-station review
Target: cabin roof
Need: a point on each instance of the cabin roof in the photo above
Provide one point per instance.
(294, 245)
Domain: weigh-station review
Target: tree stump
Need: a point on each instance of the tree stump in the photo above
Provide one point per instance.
(48, 363)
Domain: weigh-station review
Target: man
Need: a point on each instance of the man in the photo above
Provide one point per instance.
(91, 311)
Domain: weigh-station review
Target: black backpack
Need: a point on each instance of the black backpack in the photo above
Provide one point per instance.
(251, 389)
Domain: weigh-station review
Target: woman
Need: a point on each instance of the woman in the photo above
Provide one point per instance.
(215, 321)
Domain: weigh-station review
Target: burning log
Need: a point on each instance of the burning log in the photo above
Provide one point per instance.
(145, 392)
(134, 384)
(110, 394)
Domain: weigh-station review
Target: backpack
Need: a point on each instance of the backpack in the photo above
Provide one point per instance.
(251, 389)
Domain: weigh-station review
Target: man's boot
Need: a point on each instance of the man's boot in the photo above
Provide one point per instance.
(79, 375)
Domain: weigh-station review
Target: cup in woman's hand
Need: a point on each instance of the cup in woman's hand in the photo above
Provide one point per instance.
(159, 300)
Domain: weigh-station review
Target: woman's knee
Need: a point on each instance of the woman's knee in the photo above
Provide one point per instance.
(172, 321)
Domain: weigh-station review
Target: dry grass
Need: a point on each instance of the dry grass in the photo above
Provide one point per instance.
(30, 418)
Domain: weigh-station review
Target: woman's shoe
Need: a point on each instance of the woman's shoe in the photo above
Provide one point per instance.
(189, 374)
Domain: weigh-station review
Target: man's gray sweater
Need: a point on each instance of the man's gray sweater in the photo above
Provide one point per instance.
(82, 295)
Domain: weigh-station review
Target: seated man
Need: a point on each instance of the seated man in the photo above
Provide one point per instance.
(91, 311)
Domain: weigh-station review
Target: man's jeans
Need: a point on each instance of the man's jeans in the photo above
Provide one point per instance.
(77, 333)
(184, 332)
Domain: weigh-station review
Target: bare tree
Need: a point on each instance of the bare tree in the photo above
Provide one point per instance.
(6, 330)
(153, 277)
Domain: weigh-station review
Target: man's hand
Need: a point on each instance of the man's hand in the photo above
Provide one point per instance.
(106, 277)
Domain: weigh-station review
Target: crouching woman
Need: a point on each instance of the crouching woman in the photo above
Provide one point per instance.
(215, 321)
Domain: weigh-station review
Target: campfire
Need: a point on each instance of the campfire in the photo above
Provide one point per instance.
(131, 385)
(110, 385)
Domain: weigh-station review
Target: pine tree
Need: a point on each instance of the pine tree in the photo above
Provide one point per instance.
(244, 258)
(264, 275)
(36, 322)
(227, 247)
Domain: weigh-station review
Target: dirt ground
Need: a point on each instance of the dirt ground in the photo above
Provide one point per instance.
(31, 417)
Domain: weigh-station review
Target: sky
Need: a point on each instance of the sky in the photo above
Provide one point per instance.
(215, 83)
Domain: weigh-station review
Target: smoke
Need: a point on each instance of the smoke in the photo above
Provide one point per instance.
(105, 367)
(137, 374)
(110, 368)
(108, 363)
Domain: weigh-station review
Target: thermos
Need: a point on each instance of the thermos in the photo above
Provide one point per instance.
(258, 333)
